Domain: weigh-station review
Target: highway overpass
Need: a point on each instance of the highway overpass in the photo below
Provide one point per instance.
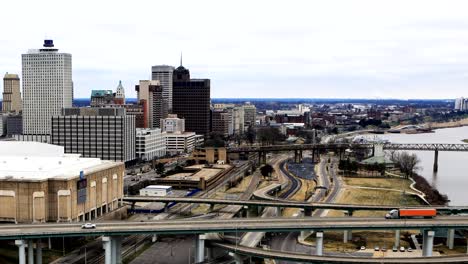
(112, 232)
(287, 204)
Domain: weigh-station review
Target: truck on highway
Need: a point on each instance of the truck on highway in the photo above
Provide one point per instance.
(411, 213)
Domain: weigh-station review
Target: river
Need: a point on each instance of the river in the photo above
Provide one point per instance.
(452, 177)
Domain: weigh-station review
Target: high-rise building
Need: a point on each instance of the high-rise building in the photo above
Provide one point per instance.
(221, 121)
(11, 93)
(250, 114)
(163, 73)
(152, 92)
(94, 132)
(150, 143)
(120, 94)
(191, 101)
(47, 87)
(173, 124)
(461, 104)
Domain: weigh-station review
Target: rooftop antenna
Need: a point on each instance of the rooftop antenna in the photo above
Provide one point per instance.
(181, 58)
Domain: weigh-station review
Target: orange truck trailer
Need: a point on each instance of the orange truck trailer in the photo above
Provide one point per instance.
(411, 213)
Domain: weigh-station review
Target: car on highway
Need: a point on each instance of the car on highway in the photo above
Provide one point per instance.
(384, 249)
(402, 249)
(88, 226)
(395, 249)
(376, 248)
(363, 248)
(409, 249)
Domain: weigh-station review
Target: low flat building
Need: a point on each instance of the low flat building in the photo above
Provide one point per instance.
(40, 183)
(156, 190)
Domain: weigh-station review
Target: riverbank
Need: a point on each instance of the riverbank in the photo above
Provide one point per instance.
(449, 124)
(431, 194)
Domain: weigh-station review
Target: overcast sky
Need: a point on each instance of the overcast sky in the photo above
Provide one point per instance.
(294, 49)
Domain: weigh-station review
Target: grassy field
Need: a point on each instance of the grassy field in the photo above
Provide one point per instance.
(389, 183)
(352, 194)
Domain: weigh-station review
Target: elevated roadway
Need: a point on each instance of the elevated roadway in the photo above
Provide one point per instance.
(288, 204)
(32, 231)
(303, 258)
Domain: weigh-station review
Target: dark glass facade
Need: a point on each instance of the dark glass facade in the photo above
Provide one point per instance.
(191, 101)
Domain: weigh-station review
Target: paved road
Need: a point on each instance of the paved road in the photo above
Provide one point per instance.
(274, 254)
(288, 241)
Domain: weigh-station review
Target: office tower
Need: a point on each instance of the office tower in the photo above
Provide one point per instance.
(14, 125)
(106, 133)
(163, 73)
(461, 104)
(173, 124)
(191, 101)
(47, 87)
(11, 93)
(156, 106)
(119, 94)
(150, 143)
(250, 114)
(221, 121)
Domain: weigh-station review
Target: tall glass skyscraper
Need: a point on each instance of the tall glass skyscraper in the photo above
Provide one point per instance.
(47, 87)
(163, 73)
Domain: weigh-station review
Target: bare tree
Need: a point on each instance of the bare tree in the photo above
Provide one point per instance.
(408, 163)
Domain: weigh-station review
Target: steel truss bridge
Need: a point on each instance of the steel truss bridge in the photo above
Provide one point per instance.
(339, 146)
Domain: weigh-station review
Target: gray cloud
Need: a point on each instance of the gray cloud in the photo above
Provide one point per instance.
(378, 49)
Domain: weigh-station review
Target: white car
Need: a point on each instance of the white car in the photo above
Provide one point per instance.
(88, 226)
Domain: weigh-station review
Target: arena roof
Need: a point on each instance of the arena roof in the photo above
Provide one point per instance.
(34, 161)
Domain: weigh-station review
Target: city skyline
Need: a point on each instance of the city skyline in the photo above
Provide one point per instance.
(320, 50)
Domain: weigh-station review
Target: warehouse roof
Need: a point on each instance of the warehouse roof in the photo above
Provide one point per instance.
(34, 161)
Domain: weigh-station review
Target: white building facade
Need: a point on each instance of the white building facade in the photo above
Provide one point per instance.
(461, 104)
(150, 143)
(177, 143)
(47, 87)
(173, 124)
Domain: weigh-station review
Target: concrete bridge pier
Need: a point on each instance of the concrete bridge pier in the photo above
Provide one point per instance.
(113, 249)
(21, 251)
(278, 211)
(450, 238)
(259, 210)
(30, 251)
(38, 251)
(200, 248)
(397, 238)
(304, 234)
(319, 243)
(428, 243)
(348, 234)
(436, 160)
(237, 258)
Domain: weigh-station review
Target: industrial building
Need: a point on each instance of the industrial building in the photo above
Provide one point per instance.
(40, 183)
